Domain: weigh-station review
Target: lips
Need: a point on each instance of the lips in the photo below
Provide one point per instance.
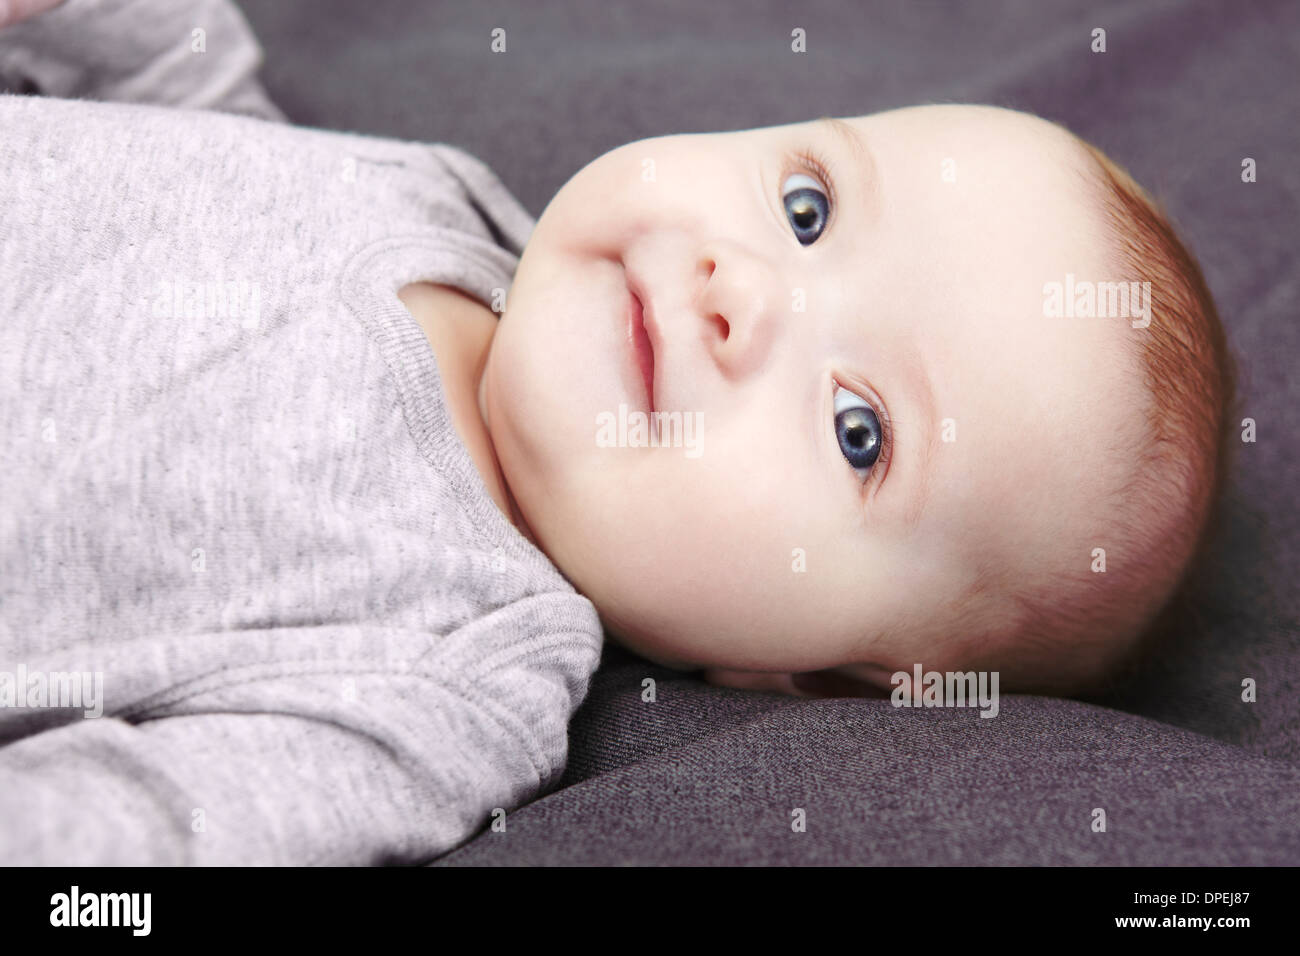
(642, 350)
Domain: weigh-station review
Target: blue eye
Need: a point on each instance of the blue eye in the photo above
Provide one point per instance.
(857, 429)
(806, 206)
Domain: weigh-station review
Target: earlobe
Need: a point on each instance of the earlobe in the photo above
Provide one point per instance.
(879, 678)
(836, 683)
(754, 680)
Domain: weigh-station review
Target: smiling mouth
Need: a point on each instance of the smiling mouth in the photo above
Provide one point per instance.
(641, 348)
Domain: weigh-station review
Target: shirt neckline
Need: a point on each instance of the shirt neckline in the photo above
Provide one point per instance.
(368, 288)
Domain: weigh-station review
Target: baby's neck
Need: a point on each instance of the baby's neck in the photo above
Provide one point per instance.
(460, 329)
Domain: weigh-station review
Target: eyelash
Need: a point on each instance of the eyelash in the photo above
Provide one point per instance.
(820, 168)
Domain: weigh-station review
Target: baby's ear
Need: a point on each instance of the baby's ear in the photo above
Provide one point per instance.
(834, 682)
(815, 684)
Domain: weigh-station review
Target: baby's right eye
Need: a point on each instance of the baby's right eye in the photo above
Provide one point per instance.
(857, 429)
(806, 206)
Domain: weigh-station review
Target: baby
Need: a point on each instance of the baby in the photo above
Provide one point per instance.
(340, 528)
(911, 449)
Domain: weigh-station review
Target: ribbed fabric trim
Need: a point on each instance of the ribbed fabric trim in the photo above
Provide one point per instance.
(368, 287)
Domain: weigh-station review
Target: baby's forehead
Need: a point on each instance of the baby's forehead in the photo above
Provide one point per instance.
(977, 214)
(1046, 403)
(1048, 425)
(971, 125)
(966, 153)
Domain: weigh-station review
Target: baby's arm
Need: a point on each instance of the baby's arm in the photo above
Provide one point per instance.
(330, 762)
(195, 54)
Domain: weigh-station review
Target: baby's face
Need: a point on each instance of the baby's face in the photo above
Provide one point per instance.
(874, 409)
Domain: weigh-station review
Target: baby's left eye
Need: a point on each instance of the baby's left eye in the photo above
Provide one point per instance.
(857, 429)
(806, 206)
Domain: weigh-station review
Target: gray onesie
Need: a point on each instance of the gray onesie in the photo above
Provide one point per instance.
(256, 605)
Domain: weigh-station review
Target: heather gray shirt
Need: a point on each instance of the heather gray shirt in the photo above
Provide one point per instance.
(256, 605)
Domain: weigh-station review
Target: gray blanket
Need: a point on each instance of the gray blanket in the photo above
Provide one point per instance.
(1186, 771)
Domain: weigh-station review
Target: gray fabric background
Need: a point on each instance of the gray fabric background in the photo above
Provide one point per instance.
(1186, 772)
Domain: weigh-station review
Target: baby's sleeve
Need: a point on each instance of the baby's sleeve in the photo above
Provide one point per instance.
(332, 767)
(193, 54)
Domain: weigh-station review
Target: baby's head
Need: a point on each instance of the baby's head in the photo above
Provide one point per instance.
(915, 416)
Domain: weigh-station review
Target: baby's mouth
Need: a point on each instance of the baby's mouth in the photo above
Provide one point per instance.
(641, 348)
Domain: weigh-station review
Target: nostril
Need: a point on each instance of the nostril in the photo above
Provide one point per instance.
(724, 327)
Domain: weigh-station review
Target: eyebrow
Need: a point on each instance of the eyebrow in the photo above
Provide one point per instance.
(849, 137)
(923, 387)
